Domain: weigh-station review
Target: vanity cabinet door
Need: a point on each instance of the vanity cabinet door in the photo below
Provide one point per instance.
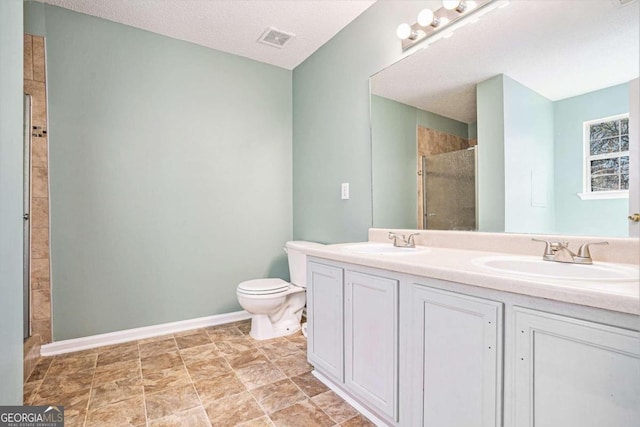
(371, 340)
(325, 319)
(456, 359)
(574, 373)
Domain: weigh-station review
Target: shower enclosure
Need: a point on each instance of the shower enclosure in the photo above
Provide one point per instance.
(449, 186)
(26, 243)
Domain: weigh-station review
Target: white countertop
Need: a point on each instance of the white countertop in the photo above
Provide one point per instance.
(456, 265)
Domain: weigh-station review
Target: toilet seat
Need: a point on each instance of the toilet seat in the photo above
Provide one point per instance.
(263, 287)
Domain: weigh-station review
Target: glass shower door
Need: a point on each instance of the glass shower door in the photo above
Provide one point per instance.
(449, 185)
(26, 242)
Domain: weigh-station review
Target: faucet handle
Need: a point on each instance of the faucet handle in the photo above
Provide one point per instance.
(411, 239)
(584, 252)
(549, 246)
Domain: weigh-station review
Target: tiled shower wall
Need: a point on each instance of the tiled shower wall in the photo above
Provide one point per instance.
(35, 85)
(432, 142)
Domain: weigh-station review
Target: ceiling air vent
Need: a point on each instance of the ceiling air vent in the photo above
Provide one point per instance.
(275, 38)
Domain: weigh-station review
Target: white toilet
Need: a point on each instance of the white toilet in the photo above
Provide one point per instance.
(276, 306)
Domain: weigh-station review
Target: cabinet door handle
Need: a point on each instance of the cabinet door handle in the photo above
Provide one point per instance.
(634, 217)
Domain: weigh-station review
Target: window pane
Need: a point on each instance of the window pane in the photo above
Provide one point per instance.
(605, 130)
(624, 126)
(624, 184)
(624, 143)
(604, 183)
(604, 167)
(624, 164)
(601, 146)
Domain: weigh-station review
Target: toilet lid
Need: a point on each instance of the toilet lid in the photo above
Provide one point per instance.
(263, 286)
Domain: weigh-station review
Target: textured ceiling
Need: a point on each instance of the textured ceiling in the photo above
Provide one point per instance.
(557, 48)
(233, 26)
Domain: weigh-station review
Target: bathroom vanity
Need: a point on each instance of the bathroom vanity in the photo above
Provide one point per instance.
(433, 338)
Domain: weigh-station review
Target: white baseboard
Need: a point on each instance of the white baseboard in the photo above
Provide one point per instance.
(350, 400)
(85, 343)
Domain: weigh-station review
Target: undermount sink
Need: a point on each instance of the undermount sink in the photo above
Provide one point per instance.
(534, 267)
(373, 248)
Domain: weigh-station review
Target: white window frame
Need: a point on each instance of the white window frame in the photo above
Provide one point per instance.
(587, 194)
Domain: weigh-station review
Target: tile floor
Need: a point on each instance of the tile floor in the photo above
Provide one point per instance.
(218, 376)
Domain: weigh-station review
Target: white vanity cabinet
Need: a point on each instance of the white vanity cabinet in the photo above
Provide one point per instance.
(371, 340)
(353, 334)
(417, 351)
(574, 373)
(325, 308)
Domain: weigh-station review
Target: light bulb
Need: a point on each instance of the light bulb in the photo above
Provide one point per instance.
(403, 31)
(450, 4)
(425, 17)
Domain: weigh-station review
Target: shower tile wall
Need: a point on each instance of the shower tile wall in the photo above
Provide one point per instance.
(35, 85)
(432, 142)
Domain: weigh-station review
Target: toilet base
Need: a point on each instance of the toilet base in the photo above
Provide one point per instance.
(263, 329)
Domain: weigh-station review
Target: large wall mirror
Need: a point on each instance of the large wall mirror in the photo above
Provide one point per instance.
(518, 122)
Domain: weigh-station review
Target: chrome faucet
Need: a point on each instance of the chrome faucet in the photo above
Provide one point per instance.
(405, 242)
(560, 252)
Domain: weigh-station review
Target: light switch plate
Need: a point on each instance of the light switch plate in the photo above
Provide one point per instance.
(344, 191)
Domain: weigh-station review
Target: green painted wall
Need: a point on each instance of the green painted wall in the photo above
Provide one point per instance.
(331, 131)
(573, 215)
(11, 202)
(394, 157)
(491, 173)
(170, 170)
(528, 160)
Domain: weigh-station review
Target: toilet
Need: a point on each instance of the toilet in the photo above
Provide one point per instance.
(275, 305)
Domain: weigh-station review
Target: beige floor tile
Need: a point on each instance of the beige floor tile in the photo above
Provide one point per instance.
(234, 345)
(334, 406)
(309, 384)
(118, 353)
(41, 369)
(116, 371)
(358, 421)
(218, 387)
(75, 403)
(208, 369)
(155, 381)
(63, 365)
(194, 417)
(293, 365)
(199, 353)
(302, 414)
(193, 340)
(246, 358)
(122, 414)
(75, 420)
(257, 375)
(189, 332)
(161, 361)
(157, 347)
(154, 339)
(266, 343)
(115, 391)
(233, 410)
(282, 349)
(170, 401)
(62, 384)
(300, 341)
(278, 395)
(222, 333)
(258, 422)
(29, 391)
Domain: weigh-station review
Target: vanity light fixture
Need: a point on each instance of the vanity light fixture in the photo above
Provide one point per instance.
(431, 24)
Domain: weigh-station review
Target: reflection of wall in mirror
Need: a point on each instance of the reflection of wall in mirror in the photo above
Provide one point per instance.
(535, 147)
(394, 129)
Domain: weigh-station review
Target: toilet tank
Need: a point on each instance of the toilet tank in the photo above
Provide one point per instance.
(298, 261)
